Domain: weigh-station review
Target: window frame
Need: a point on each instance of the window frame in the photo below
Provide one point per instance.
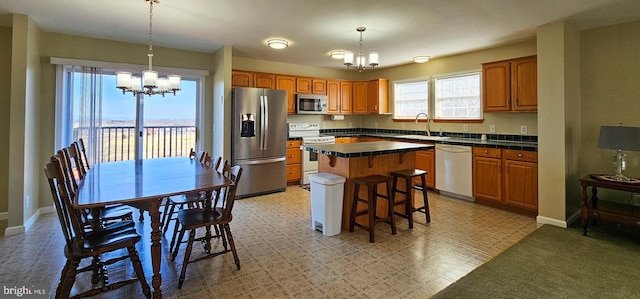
(395, 94)
(479, 119)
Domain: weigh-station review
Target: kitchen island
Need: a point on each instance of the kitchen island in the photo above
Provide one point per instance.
(352, 160)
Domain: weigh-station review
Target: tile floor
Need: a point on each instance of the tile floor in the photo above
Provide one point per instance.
(282, 257)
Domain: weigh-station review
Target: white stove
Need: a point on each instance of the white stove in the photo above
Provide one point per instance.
(310, 134)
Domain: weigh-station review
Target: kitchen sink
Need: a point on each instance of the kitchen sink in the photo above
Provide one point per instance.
(424, 137)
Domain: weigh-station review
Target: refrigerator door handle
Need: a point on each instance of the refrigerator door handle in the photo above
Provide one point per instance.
(266, 122)
(261, 123)
(263, 161)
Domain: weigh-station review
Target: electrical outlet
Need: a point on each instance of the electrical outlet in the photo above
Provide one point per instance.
(402, 126)
(27, 201)
(465, 127)
(350, 124)
(375, 124)
(492, 128)
(523, 129)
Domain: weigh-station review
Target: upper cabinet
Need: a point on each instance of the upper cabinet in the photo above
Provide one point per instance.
(288, 83)
(339, 96)
(241, 79)
(263, 80)
(378, 96)
(344, 97)
(510, 85)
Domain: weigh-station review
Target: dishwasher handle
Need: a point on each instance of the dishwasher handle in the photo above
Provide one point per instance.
(454, 149)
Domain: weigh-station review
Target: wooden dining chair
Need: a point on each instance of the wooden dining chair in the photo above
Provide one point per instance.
(107, 215)
(220, 216)
(81, 243)
(190, 200)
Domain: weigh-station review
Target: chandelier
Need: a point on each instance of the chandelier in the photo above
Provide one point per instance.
(360, 59)
(150, 83)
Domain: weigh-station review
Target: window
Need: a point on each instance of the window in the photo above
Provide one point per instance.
(167, 125)
(411, 98)
(458, 97)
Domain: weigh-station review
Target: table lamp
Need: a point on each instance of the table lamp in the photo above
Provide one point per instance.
(619, 138)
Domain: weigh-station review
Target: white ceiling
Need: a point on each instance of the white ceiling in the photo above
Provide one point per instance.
(396, 29)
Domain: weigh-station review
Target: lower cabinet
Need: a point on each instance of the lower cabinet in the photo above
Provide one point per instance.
(342, 140)
(426, 160)
(506, 177)
(294, 159)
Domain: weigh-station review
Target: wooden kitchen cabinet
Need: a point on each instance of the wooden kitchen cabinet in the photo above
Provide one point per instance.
(360, 97)
(294, 159)
(241, 79)
(303, 85)
(510, 85)
(426, 160)
(378, 96)
(487, 173)
(288, 83)
(319, 86)
(521, 179)
(506, 177)
(338, 96)
(342, 140)
(264, 80)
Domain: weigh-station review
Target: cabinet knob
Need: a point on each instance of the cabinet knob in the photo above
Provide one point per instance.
(520, 155)
(486, 152)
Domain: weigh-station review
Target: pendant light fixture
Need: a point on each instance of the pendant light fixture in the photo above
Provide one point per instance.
(360, 59)
(150, 83)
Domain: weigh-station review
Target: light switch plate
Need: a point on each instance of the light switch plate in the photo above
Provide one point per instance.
(523, 129)
(465, 127)
(492, 128)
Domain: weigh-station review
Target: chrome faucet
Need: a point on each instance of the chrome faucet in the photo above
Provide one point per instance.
(428, 120)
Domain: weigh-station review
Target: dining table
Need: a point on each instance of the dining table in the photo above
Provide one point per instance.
(145, 183)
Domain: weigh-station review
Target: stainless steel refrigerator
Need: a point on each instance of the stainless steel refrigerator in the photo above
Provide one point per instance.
(259, 140)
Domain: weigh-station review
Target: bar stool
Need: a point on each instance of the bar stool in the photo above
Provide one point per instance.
(372, 182)
(408, 175)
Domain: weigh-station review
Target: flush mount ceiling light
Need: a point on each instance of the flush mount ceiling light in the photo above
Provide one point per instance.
(338, 54)
(151, 84)
(421, 59)
(277, 43)
(361, 60)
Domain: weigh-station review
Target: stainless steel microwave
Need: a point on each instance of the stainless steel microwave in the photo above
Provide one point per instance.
(311, 104)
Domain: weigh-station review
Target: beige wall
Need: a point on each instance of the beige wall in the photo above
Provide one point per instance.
(222, 104)
(559, 125)
(5, 101)
(610, 75)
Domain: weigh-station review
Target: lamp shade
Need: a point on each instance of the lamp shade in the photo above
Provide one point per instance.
(619, 138)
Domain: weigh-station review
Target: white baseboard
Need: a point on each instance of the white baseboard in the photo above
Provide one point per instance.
(574, 217)
(4, 215)
(551, 221)
(21, 229)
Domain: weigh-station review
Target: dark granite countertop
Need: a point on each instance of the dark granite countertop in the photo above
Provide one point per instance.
(362, 149)
(503, 144)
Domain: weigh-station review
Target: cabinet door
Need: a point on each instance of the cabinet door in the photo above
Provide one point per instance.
(303, 85)
(263, 80)
(241, 79)
(319, 86)
(360, 90)
(425, 160)
(378, 96)
(496, 86)
(333, 97)
(524, 84)
(288, 83)
(487, 178)
(346, 100)
(521, 184)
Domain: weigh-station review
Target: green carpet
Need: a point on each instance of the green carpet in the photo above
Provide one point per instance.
(553, 262)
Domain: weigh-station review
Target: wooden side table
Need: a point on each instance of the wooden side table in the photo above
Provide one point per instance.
(606, 210)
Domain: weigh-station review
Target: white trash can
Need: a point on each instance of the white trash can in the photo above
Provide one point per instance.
(327, 190)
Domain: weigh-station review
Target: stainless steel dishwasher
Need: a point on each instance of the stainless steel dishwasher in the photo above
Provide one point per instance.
(454, 171)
